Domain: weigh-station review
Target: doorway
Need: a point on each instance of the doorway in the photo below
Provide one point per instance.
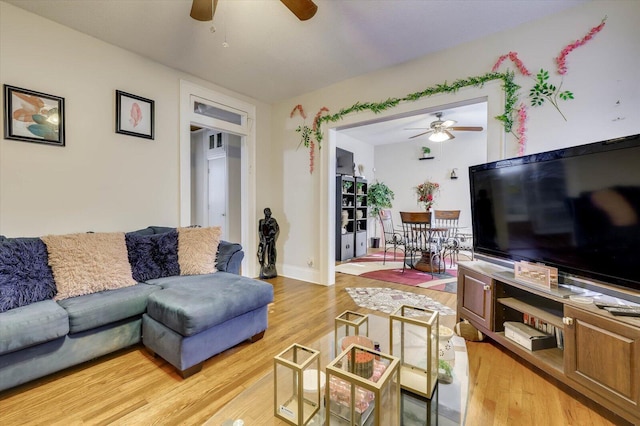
(492, 93)
(216, 181)
(204, 108)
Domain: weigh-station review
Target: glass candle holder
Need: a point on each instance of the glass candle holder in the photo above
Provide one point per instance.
(297, 388)
(414, 339)
(363, 388)
(350, 323)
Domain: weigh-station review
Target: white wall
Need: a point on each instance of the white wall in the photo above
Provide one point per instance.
(601, 73)
(363, 153)
(101, 181)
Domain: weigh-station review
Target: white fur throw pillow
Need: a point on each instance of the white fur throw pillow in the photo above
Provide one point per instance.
(88, 263)
(197, 249)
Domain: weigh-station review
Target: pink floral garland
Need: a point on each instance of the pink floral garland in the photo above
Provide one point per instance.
(311, 145)
(521, 131)
(513, 56)
(561, 60)
(298, 108)
(317, 117)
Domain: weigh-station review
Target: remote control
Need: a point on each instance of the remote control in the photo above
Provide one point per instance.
(628, 312)
(603, 305)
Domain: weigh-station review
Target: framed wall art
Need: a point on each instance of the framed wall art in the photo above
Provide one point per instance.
(134, 115)
(31, 116)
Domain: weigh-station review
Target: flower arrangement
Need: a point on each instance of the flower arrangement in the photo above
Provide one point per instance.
(427, 192)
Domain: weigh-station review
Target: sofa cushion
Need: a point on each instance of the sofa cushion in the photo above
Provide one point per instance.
(153, 256)
(105, 307)
(25, 276)
(198, 302)
(161, 229)
(197, 248)
(144, 231)
(88, 263)
(32, 324)
(226, 250)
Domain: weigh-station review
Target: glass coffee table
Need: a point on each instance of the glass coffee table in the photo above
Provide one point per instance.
(254, 406)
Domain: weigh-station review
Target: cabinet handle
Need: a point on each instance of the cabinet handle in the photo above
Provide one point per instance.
(567, 320)
(487, 287)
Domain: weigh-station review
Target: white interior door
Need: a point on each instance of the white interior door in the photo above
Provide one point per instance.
(218, 194)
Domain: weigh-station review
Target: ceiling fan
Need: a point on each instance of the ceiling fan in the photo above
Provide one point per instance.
(441, 129)
(203, 10)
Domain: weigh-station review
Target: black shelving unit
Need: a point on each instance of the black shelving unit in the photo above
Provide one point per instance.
(361, 217)
(351, 203)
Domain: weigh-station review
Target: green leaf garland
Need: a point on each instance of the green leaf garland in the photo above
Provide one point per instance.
(507, 119)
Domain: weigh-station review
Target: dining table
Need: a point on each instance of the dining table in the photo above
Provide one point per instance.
(423, 236)
(429, 261)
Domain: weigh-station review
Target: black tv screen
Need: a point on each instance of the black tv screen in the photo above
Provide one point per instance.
(577, 209)
(344, 162)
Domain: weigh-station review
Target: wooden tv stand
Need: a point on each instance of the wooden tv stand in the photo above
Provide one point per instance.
(601, 354)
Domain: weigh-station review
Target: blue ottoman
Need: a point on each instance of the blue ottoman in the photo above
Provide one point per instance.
(197, 316)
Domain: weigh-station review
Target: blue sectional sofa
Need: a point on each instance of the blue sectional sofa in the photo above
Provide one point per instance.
(185, 319)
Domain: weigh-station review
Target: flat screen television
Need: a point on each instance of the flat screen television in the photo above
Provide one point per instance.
(577, 209)
(344, 162)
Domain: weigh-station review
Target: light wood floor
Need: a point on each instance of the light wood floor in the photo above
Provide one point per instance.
(132, 388)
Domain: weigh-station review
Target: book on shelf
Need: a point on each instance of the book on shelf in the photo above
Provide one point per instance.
(545, 327)
(527, 336)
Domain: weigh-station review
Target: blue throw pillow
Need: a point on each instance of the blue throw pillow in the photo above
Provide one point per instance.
(153, 256)
(25, 275)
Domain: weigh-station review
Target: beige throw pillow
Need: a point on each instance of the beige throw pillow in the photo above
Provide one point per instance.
(197, 249)
(88, 263)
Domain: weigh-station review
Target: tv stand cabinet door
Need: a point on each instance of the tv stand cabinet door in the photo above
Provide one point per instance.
(475, 298)
(604, 356)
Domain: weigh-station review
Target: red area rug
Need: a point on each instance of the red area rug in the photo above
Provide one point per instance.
(411, 277)
(371, 266)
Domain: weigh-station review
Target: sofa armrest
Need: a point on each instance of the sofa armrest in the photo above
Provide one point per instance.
(229, 257)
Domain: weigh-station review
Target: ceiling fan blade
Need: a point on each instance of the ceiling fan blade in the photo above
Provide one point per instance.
(416, 128)
(420, 134)
(448, 134)
(469, 128)
(203, 10)
(448, 123)
(303, 9)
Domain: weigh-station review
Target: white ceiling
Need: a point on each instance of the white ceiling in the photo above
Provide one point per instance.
(272, 55)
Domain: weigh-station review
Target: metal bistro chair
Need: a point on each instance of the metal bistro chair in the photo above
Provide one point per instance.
(453, 241)
(416, 227)
(392, 238)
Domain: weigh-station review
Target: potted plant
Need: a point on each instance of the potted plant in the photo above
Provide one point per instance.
(426, 152)
(379, 197)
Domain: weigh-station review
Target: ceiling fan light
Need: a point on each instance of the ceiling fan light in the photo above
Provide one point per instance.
(439, 137)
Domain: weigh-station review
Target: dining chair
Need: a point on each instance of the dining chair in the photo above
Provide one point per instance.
(453, 241)
(418, 241)
(392, 238)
